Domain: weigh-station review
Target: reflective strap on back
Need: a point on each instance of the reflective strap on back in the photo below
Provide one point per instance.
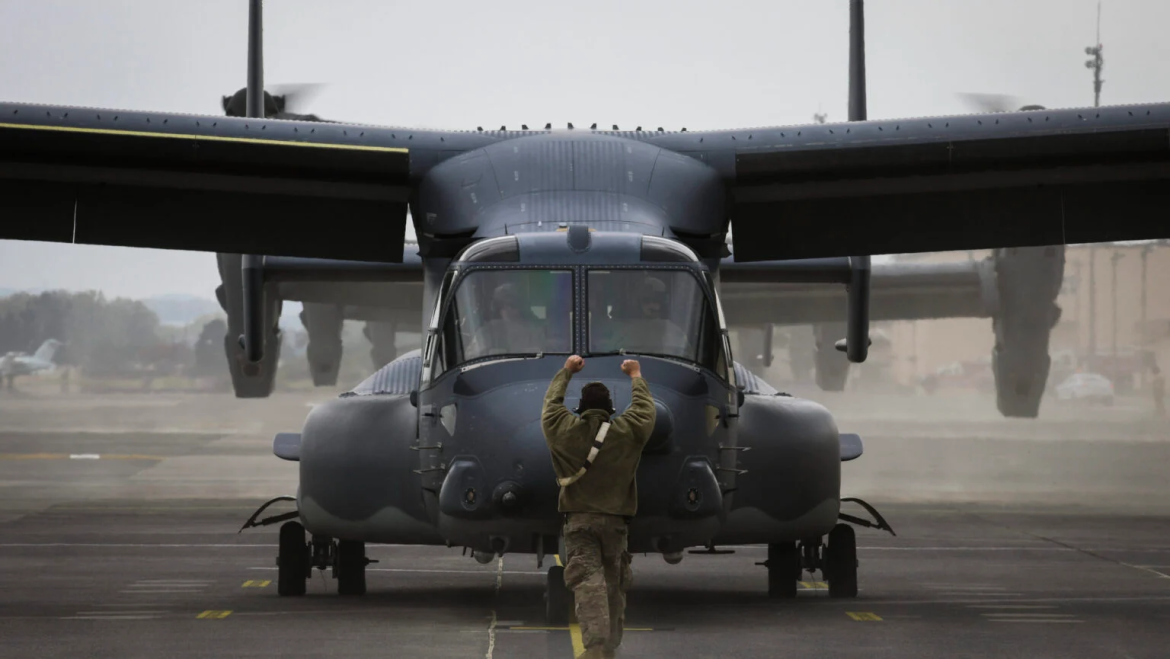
(593, 451)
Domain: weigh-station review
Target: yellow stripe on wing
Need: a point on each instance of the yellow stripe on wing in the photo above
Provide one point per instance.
(206, 138)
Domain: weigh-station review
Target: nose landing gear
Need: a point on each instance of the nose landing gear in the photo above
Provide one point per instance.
(558, 599)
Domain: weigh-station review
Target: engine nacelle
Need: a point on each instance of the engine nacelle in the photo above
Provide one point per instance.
(323, 324)
(832, 366)
(249, 379)
(1028, 280)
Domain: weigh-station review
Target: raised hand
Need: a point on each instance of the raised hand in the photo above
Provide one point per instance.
(632, 368)
(574, 364)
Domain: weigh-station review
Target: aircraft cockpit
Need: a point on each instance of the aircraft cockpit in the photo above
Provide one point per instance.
(534, 295)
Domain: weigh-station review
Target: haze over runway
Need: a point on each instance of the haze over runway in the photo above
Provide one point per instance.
(118, 537)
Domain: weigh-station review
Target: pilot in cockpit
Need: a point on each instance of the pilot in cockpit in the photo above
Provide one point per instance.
(512, 330)
(652, 329)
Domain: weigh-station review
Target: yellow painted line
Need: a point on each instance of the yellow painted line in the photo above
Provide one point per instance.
(256, 583)
(863, 616)
(213, 615)
(78, 456)
(205, 138)
(558, 557)
(575, 635)
(813, 585)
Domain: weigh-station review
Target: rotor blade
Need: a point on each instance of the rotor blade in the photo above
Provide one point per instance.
(297, 96)
(990, 102)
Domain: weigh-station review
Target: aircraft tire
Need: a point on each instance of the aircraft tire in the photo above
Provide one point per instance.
(351, 567)
(783, 570)
(292, 562)
(558, 599)
(841, 562)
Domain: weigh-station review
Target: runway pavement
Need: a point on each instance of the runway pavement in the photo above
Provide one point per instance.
(121, 542)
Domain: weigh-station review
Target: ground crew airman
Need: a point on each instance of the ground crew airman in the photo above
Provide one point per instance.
(595, 456)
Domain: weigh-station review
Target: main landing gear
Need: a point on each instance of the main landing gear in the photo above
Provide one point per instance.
(297, 558)
(836, 558)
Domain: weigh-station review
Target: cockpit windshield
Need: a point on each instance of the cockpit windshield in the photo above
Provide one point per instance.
(510, 312)
(654, 312)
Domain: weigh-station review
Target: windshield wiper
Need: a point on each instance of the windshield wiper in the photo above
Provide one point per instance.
(508, 357)
(642, 353)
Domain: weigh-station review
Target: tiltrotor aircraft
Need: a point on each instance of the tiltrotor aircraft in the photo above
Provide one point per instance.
(1016, 289)
(538, 244)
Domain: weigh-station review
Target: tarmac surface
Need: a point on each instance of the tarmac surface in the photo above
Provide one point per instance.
(119, 519)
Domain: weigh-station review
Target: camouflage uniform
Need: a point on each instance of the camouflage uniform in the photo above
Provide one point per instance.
(598, 505)
(598, 572)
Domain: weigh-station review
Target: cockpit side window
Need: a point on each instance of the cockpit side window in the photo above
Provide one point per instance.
(509, 312)
(653, 312)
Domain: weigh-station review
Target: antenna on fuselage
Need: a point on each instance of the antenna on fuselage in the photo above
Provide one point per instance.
(252, 340)
(857, 330)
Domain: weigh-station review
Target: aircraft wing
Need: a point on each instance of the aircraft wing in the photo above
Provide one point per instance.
(1043, 177)
(220, 184)
(340, 191)
(368, 290)
(751, 295)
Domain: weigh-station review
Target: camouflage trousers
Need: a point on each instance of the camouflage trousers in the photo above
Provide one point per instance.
(598, 572)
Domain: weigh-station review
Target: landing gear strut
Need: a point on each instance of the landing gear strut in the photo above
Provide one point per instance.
(558, 599)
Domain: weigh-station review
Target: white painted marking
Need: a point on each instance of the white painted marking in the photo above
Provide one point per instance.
(158, 591)
(126, 545)
(935, 548)
(492, 626)
(114, 617)
(1063, 600)
(984, 595)
(118, 605)
(962, 587)
(1012, 606)
(534, 573)
(84, 456)
(121, 613)
(1039, 620)
(1029, 615)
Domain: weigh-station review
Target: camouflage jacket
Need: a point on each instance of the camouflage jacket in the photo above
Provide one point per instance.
(610, 486)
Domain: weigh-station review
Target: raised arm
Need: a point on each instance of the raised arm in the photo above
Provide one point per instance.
(640, 414)
(556, 417)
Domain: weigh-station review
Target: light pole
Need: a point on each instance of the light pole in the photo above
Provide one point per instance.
(1096, 64)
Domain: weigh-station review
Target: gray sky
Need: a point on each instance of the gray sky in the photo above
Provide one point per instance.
(465, 64)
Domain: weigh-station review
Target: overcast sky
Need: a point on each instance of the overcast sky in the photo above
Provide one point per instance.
(459, 65)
